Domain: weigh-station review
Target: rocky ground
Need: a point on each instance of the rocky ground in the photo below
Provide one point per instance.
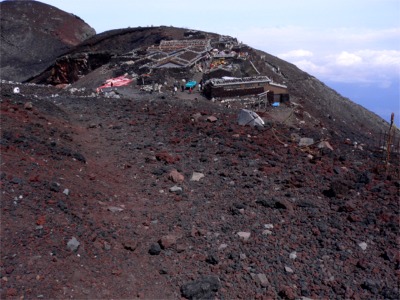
(155, 196)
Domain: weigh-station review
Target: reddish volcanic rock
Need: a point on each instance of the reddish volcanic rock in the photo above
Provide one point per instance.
(107, 187)
(166, 157)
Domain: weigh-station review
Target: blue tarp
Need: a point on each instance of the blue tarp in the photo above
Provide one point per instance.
(191, 84)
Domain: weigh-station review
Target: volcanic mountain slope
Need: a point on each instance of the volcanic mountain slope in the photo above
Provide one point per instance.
(33, 34)
(107, 54)
(156, 196)
(161, 196)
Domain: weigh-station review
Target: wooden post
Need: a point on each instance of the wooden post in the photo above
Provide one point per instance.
(389, 142)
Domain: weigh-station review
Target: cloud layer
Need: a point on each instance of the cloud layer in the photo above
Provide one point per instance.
(341, 55)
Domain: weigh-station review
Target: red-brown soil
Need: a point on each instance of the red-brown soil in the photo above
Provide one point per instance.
(323, 224)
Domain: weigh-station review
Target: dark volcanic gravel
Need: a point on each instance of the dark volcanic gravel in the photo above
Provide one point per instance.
(90, 209)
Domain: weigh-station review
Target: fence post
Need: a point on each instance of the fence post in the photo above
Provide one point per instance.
(389, 142)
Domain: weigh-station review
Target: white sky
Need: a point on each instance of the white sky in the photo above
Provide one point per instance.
(350, 41)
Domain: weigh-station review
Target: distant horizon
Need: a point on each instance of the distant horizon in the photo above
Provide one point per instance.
(352, 46)
(369, 96)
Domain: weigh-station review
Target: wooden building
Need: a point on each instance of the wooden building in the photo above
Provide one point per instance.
(234, 87)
